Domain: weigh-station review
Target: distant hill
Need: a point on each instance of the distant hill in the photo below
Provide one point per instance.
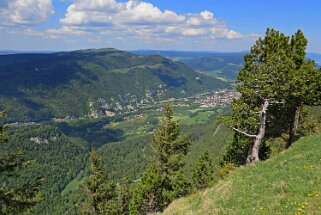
(6, 52)
(288, 183)
(216, 64)
(186, 54)
(77, 83)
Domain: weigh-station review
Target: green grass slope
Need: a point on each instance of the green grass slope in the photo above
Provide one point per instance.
(289, 183)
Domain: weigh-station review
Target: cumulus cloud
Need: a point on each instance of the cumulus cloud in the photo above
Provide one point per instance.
(138, 18)
(24, 12)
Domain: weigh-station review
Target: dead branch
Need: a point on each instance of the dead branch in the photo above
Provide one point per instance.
(243, 132)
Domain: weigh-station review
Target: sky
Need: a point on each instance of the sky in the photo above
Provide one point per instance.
(194, 25)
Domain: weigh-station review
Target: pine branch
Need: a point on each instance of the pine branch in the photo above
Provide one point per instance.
(276, 102)
(243, 132)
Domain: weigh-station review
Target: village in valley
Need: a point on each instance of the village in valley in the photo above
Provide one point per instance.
(213, 99)
(197, 102)
(134, 109)
(200, 102)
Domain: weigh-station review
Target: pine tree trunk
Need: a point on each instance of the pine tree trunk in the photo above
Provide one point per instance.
(253, 153)
(293, 125)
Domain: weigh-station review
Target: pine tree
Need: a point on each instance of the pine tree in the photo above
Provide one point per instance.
(203, 172)
(163, 181)
(274, 83)
(16, 200)
(100, 194)
(124, 195)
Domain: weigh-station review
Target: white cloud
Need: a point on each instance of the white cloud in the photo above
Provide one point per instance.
(91, 11)
(65, 30)
(142, 13)
(143, 19)
(110, 12)
(55, 33)
(207, 15)
(24, 12)
(194, 31)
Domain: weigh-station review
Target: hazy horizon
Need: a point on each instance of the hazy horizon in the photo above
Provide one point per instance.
(132, 50)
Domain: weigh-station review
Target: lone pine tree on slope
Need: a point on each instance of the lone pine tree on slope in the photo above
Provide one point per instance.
(275, 82)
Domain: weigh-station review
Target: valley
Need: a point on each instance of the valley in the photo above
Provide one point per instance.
(123, 141)
(194, 103)
(99, 107)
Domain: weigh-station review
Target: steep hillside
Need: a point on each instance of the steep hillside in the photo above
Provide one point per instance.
(56, 157)
(42, 86)
(129, 157)
(289, 183)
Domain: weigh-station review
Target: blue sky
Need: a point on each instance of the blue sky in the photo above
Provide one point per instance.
(211, 25)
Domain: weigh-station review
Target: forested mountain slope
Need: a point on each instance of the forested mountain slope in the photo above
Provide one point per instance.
(55, 157)
(78, 83)
(288, 183)
(60, 152)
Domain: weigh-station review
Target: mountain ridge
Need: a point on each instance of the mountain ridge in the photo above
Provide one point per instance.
(92, 81)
